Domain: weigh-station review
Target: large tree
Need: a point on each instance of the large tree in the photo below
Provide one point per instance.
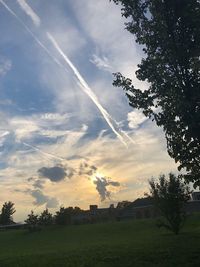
(169, 34)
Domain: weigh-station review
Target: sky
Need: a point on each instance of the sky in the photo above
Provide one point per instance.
(67, 136)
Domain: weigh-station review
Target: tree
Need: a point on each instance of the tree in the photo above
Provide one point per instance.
(123, 204)
(169, 33)
(77, 210)
(6, 213)
(32, 222)
(170, 196)
(45, 218)
(63, 216)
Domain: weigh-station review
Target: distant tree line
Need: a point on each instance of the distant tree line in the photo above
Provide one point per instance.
(62, 217)
(168, 194)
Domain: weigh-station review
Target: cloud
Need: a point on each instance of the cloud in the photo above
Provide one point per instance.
(32, 34)
(30, 179)
(108, 34)
(101, 186)
(101, 62)
(5, 66)
(83, 84)
(39, 184)
(86, 169)
(23, 127)
(52, 203)
(113, 183)
(86, 88)
(47, 155)
(135, 119)
(55, 174)
(30, 12)
(56, 118)
(41, 199)
(6, 102)
(51, 135)
(36, 183)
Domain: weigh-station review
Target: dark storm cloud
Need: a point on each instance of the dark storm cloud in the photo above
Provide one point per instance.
(56, 173)
(101, 187)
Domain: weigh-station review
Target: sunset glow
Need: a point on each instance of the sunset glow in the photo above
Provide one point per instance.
(67, 136)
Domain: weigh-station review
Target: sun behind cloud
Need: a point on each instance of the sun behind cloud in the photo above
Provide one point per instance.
(97, 175)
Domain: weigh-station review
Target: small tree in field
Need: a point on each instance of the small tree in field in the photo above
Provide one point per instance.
(32, 222)
(6, 213)
(170, 196)
(46, 218)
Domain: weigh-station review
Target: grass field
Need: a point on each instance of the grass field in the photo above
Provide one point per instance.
(121, 244)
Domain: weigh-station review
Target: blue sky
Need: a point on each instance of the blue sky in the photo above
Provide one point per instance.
(59, 112)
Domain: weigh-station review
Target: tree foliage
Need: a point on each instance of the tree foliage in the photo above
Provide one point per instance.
(123, 204)
(32, 222)
(64, 215)
(46, 218)
(6, 213)
(169, 33)
(170, 196)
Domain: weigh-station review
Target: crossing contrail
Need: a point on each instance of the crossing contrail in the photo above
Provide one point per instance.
(86, 88)
(83, 84)
(43, 153)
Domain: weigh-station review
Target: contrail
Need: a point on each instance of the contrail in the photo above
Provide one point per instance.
(30, 12)
(85, 87)
(43, 153)
(127, 136)
(33, 35)
(83, 84)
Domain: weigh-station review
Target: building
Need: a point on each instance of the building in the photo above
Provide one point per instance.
(143, 208)
(138, 209)
(95, 214)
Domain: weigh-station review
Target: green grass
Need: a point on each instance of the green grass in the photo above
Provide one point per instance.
(121, 244)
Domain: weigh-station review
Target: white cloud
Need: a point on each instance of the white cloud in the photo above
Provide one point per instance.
(88, 91)
(101, 62)
(135, 119)
(23, 127)
(30, 12)
(113, 50)
(103, 23)
(131, 167)
(5, 65)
